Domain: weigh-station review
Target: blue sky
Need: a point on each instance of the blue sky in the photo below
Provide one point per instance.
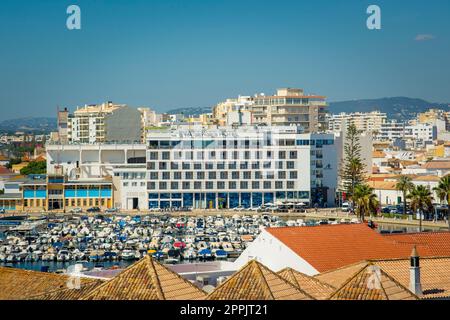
(194, 53)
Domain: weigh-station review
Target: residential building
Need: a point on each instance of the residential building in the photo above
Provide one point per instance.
(107, 122)
(391, 130)
(364, 121)
(227, 167)
(420, 134)
(291, 107)
(227, 113)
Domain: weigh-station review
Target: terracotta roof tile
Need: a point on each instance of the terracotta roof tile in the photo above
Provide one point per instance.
(433, 243)
(329, 247)
(19, 284)
(256, 282)
(146, 280)
(311, 285)
(372, 283)
(434, 274)
(69, 294)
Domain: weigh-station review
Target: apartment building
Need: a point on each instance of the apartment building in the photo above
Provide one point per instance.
(391, 130)
(249, 166)
(103, 123)
(233, 111)
(421, 134)
(291, 107)
(364, 121)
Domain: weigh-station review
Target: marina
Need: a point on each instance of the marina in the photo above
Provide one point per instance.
(116, 241)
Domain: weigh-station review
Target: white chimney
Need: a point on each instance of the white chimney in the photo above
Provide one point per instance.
(414, 273)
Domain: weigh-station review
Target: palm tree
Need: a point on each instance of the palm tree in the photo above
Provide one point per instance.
(421, 200)
(404, 185)
(443, 193)
(365, 200)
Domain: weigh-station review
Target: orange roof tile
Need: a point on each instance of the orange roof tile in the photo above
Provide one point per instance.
(437, 165)
(146, 280)
(436, 243)
(329, 247)
(372, 283)
(311, 285)
(256, 282)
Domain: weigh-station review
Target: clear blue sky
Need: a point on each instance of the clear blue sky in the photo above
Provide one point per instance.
(189, 53)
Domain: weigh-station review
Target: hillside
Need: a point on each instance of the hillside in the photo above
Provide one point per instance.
(29, 125)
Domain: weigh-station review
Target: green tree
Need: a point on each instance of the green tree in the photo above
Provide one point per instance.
(443, 193)
(35, 167)
(365, 200)
(405, 185)
(352, 168)
(421, 201)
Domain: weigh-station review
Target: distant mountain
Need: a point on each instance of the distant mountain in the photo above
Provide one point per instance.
(399, 108)
(190, 111)
(29, 125)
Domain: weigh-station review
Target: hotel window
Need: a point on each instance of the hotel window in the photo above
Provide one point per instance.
(163, 185)
(153, 175)
(212, 155)
(235, 155)
(247, 175)
(200, 155)
(163, 166)
(166, 175)
(267, 165)
(281, 174)
(134, 184)
(166, 155)
(255, 185)
(153, 155)
(209, 185)
(247, 155)
(269, 154)
(235, 175)
(255, 165)
(209, 166)
(125, 184)
(244, 165)
(197, 185)
(232, 185)
(174, 185)
(186, 166)
(200, 175)
(258, 175)
(244, 185)
(212, 175)
(258, 155)
(220, 185)
(282, 154)
(270, 175)
(174, 166)
(267, 185)
(220, 166)
(278, 184)
(223, 175)
(151, 166)
(279, 165)
(290, 165)
(177, 175)
(224, 155)
(293, 175)
(186, 185)
(293, 155)
(189, 175)
(197, 166)
(290, 184)
(232, 166)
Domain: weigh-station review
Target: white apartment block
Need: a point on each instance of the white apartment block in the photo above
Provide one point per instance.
(391, 131)
(291, 107)
(106, 122)
(421, 134)
(364, 121)
(249, 166)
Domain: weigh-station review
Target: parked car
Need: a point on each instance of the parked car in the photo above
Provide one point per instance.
(346, 206)
(93, 209)
(112, 210)
(76, 210)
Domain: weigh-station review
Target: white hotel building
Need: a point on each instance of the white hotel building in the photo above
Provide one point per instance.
(248, 166)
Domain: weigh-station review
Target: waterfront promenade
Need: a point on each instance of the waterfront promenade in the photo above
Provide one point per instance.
(321, 214)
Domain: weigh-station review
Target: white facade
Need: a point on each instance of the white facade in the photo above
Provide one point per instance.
(274, 254)
(364, 121)
(248, 166)
(421, 134)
